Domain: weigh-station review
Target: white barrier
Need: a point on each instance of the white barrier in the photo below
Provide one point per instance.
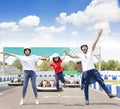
(115, 89)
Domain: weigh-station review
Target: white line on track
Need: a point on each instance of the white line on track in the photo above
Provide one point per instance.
(1, 93)
(63, 96)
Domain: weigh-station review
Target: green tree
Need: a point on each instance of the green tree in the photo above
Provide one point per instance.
(72, 66)
(17, 64)
(64, 66)
(112, 65)
(1, 63)
(44, 66)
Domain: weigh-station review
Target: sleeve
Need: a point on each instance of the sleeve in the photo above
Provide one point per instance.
(36, 57)
(79, 56)
(19, 57)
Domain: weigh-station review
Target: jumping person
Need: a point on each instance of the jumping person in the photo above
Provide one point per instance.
(89, 70)
(56, 64)
(28, 65)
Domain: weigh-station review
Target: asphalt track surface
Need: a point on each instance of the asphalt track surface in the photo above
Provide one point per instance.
(71, 98)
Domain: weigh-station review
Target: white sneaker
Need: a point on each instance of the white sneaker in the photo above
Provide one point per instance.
(21, 102)
(36, 101)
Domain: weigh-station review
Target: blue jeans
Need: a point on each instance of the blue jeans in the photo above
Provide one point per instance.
(29, 74)
(94, 74)
(59, 76)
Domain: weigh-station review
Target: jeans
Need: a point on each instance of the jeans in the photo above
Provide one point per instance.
(29, 74)
(59, 76)
(96, 76)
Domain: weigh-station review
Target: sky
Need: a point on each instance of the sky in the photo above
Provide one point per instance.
(61, 23)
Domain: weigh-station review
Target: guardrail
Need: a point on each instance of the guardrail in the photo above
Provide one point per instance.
(113, 88)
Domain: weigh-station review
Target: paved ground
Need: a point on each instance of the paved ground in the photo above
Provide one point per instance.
(72, 98)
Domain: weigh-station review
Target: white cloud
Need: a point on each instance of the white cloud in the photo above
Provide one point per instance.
(51, 29)
(74, 33)
(104, 25)
(7, 25)
(97, 13)
(29, 21)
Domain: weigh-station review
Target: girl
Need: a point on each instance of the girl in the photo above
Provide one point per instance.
(56, 64)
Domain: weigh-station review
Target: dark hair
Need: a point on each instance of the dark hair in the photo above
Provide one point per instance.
(83, 46)
(27, 49)
(56, 61)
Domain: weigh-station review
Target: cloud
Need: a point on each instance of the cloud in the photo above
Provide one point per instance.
(7, 25)
(99, 25)
(97, 14)
(74, 33)
(51, 29)
(29, 21)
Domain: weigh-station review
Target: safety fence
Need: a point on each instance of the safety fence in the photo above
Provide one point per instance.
(114, 88)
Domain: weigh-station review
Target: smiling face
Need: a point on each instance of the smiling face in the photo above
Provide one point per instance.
(56, 59)
(84, 49)
(27, 52)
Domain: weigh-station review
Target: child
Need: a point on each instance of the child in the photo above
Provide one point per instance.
(56, 64)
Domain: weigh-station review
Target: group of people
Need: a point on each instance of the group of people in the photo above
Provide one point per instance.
(89, 70)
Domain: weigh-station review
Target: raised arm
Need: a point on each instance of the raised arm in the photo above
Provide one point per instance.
(70, 55)
(94, 44)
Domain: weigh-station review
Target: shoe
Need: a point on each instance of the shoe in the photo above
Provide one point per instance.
(21, 102)
(36, 101)
(112, 96)
(87, 103)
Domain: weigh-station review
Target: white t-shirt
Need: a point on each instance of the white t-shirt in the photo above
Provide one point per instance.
(87, 60)
(28, 62)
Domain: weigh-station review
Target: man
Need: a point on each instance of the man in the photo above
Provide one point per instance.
(89, 70)
(28, 65)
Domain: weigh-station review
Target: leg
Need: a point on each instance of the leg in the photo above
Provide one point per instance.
(26, 79)
(85, 85)
(57, 81)
(33, 81)
(25, 85)
(86, 90)
(98, 78)
(61, 76)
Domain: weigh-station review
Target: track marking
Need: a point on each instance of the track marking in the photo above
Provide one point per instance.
(63, 96)
(1, 93)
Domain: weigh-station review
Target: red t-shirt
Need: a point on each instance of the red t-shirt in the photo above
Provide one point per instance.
(57, 66)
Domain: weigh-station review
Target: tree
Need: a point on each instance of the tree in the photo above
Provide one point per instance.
(17, 64)
(72, 66)
(44, 66)
(1, 63)
(112, 65)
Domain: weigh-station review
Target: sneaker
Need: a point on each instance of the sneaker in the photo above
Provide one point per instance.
(112, 96)
(21, 102)
(87, 103)
(36, 101)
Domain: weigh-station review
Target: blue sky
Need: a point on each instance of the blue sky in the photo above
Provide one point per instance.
(61, 23)
(46, 9)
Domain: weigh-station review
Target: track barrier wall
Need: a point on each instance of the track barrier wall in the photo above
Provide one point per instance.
(77, 77)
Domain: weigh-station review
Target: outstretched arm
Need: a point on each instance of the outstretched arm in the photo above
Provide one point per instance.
(94, 44)
(70, 55)
(44, 58)
(10, 54)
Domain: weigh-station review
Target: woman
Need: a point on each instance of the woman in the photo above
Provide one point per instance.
(28, 65)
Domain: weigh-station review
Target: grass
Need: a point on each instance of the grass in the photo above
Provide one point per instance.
(113, 81)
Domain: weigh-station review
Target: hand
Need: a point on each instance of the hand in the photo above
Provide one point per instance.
(1, 52)
(100, 32)
(65, 51)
